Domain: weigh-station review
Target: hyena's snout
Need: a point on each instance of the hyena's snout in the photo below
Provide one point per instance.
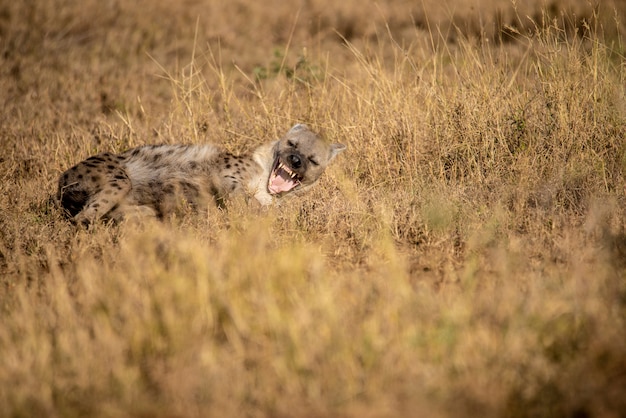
(288, 172)
(294, 161)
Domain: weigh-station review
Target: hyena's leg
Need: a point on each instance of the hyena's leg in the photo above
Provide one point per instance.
(130, 212)
(92, 188)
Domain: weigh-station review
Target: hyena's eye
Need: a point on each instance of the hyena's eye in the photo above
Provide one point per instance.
(313, 161)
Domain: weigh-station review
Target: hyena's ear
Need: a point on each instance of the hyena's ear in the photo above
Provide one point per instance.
(335, 149)
(298, 127)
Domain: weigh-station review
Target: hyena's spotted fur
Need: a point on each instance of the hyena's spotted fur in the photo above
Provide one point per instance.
(155, 180)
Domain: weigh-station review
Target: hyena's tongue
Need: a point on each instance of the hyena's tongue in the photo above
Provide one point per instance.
(281, 181)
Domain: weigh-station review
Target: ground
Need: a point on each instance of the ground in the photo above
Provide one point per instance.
(464, 257)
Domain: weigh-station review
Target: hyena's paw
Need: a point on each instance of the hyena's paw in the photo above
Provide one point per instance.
(88, 215)
(132, 213)
(101, 206)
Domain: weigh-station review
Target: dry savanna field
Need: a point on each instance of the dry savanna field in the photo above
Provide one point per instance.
(465, 257)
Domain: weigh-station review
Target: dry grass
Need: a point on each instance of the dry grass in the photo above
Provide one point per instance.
(465, 257)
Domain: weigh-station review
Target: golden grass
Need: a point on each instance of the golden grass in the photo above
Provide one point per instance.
(464, 257)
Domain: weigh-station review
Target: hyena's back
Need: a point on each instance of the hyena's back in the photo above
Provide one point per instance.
(141, 179)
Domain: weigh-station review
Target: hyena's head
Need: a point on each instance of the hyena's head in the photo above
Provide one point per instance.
(300, 158)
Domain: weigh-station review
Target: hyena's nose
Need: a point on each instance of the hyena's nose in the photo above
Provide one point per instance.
(295, 161)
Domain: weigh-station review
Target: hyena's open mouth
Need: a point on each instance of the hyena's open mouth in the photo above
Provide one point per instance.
(282, 178)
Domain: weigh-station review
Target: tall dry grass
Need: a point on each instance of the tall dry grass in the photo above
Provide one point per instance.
(464, 257)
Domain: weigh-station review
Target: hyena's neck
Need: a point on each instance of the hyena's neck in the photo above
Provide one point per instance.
(264, 160)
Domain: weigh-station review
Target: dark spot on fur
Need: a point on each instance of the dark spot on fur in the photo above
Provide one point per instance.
(107, 191)
(193, 165)
(120, 177)
(228, 166)
(95, 205)
(111, 167)
(135, 152)
(117, 186)
(156, 157)
(188, 185)
(104, 201)
(95, 179)
(73, 201)
(80, 176)
(190, 190)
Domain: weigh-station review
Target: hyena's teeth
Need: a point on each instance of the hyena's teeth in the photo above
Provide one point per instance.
(289, 171)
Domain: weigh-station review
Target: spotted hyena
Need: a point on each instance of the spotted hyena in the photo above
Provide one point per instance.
(155, 180)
